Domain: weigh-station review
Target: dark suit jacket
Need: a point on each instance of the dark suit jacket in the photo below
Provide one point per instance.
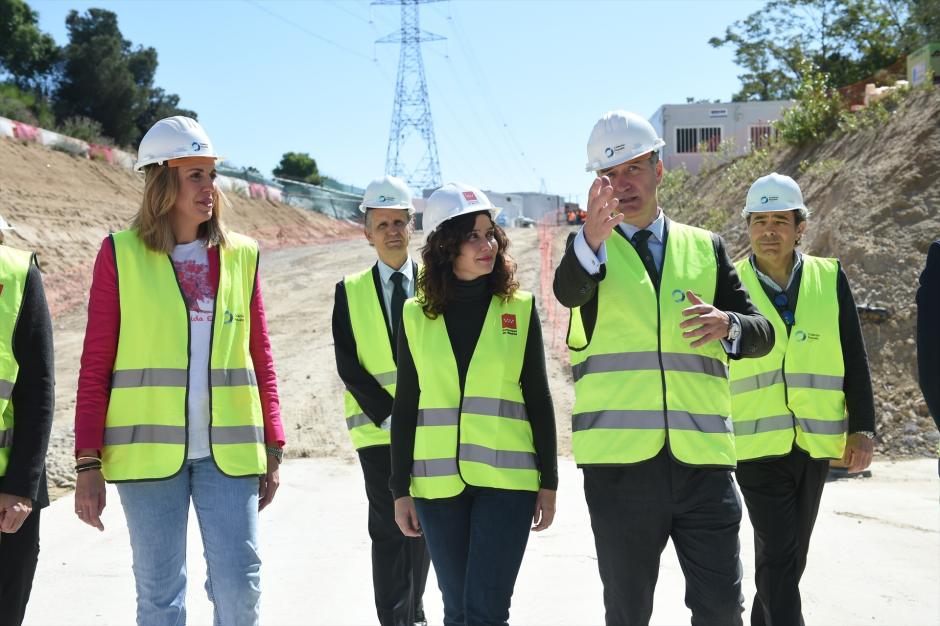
(33, 396)
(376, 403)
(928, 331)
(574, 286)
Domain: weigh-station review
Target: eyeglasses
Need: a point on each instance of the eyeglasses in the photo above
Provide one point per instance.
(781, 301)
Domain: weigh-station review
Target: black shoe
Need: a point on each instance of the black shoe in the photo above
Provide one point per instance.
(420, 620)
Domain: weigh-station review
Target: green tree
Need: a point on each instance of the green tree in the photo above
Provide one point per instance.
(817, 110)
(849, 40)
(922, 24)
(27, 55)
(298, 166)
(107, 79)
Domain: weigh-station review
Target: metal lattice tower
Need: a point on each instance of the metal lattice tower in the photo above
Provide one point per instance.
(411, 138)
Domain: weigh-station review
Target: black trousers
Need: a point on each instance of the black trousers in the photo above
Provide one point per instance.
(782, 497)
(399, 564)
(636, 509)
(19, 553)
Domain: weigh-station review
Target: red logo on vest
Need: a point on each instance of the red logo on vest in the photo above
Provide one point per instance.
(469, 196)
(509, 324)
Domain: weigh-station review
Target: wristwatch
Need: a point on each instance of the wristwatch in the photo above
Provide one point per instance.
(277, 453)
(867, 433)
(734, 327)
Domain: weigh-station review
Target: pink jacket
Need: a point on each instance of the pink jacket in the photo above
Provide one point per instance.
(100, 349)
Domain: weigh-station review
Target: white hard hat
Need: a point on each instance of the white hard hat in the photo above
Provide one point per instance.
(618, 137)
(4, 225)
(387, 192)
(174, 137)
(453, 200)
(773, 192)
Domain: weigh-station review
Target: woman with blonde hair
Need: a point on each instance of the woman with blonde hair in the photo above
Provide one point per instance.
(177, 395)
(473, 429)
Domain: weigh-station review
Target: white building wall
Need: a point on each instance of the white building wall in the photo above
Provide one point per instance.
(681, 125)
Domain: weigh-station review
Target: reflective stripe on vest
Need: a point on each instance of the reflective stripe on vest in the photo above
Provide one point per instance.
(14, 268)
(485, 439)
(374, 349)
(638, 380)
(145, 433)
(794, 393)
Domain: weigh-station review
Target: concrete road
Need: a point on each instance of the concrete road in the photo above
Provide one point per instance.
(875, 558)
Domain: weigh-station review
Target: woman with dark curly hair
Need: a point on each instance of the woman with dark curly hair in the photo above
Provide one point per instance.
(473, 428)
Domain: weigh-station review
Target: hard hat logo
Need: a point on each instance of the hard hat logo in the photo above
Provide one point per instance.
(470, 196)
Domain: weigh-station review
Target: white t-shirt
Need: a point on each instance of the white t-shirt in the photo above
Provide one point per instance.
(191, 261)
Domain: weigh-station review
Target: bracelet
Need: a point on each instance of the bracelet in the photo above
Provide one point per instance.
(277, 453)
(93, 458)
(87, 467)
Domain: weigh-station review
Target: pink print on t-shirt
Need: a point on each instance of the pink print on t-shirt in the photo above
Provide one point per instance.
(197, 289)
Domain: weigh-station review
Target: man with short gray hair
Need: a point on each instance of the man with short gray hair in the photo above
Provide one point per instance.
(366, 322)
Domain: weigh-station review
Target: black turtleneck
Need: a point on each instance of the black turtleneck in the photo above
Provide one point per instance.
(464, 321)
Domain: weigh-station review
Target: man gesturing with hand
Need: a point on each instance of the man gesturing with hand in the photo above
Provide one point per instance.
(657, 310)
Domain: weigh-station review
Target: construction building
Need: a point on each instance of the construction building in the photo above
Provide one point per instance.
(698, 132)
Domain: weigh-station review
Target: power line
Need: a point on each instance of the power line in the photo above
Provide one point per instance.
(303, 29)
(480, 78)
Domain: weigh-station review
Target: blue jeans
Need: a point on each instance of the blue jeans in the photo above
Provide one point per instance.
(227, 510)
(476, 541)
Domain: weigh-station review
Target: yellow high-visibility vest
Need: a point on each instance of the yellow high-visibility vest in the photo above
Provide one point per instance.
(14, 268)
(638, 383)
(794, 393)
(481, 437)
(374, 350)
(145, 434)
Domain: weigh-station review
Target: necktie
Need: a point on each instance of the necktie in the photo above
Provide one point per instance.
(640, 241)
(398, 303)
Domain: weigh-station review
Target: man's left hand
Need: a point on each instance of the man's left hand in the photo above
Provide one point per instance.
(712, 324)
(13, 512)
(858, 453)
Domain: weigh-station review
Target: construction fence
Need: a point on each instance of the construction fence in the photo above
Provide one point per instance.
(336, 200)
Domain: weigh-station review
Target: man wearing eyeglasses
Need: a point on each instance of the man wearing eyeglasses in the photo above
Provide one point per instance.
(789, 407)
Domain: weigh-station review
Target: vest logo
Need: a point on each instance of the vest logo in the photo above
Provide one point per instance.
(230, 317)
(804, 336)
(469, 196)
(509, 324)
(678, 295)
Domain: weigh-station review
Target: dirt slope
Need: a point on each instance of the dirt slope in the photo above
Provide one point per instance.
(875, 202)
(63, 206)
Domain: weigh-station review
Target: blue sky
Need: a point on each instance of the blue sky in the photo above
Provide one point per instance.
(515, 89)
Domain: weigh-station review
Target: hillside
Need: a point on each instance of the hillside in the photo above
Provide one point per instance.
(63, 206)
(875, 202)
